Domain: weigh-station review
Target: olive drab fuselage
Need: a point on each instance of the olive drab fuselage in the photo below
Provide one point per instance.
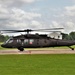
(35, 41)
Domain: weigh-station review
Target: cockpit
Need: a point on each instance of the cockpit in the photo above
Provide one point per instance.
(9, 41)
(7, 44)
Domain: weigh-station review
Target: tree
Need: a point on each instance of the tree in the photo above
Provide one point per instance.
(3, 38)
(65, 36)
(72, 35)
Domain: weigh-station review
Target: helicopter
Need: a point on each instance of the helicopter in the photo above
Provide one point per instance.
(34, 40)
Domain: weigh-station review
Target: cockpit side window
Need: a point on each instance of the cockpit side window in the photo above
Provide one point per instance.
(9, 41)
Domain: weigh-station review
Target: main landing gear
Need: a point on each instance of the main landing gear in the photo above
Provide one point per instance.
(21, 48)
(71, 48)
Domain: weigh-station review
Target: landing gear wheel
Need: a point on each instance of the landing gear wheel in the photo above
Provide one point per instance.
(73, 49)
(21, 49)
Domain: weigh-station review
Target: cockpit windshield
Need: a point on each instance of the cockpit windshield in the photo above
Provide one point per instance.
(9, 41)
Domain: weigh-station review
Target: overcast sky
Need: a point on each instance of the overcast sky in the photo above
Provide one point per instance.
(35, 14)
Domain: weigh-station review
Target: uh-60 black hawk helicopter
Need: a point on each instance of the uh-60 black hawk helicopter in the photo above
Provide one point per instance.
(34, 40)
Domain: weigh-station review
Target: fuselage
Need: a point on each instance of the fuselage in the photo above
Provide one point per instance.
(34, 41)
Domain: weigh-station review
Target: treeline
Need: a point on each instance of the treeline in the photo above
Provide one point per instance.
(70, 36)
(3, 38)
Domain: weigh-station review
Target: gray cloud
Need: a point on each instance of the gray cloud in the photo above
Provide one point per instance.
(12, 17)
(16, 18)
(66, 18)
(15, 2)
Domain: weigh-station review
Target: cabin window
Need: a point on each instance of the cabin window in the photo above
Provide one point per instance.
(26, 41)
(31, 41)
(18, 41)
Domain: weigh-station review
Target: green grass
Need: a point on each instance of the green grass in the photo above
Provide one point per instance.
(57, 64)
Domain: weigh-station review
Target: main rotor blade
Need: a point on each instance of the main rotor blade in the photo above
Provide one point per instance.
(30, 30)
(48, 29)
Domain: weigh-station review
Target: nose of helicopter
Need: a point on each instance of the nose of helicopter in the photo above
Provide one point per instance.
(2, 45)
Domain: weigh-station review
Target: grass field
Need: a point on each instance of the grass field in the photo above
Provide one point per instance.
(56, 64)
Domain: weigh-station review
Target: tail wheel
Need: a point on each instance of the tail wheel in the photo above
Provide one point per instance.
(71, 48)
(21, 49)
